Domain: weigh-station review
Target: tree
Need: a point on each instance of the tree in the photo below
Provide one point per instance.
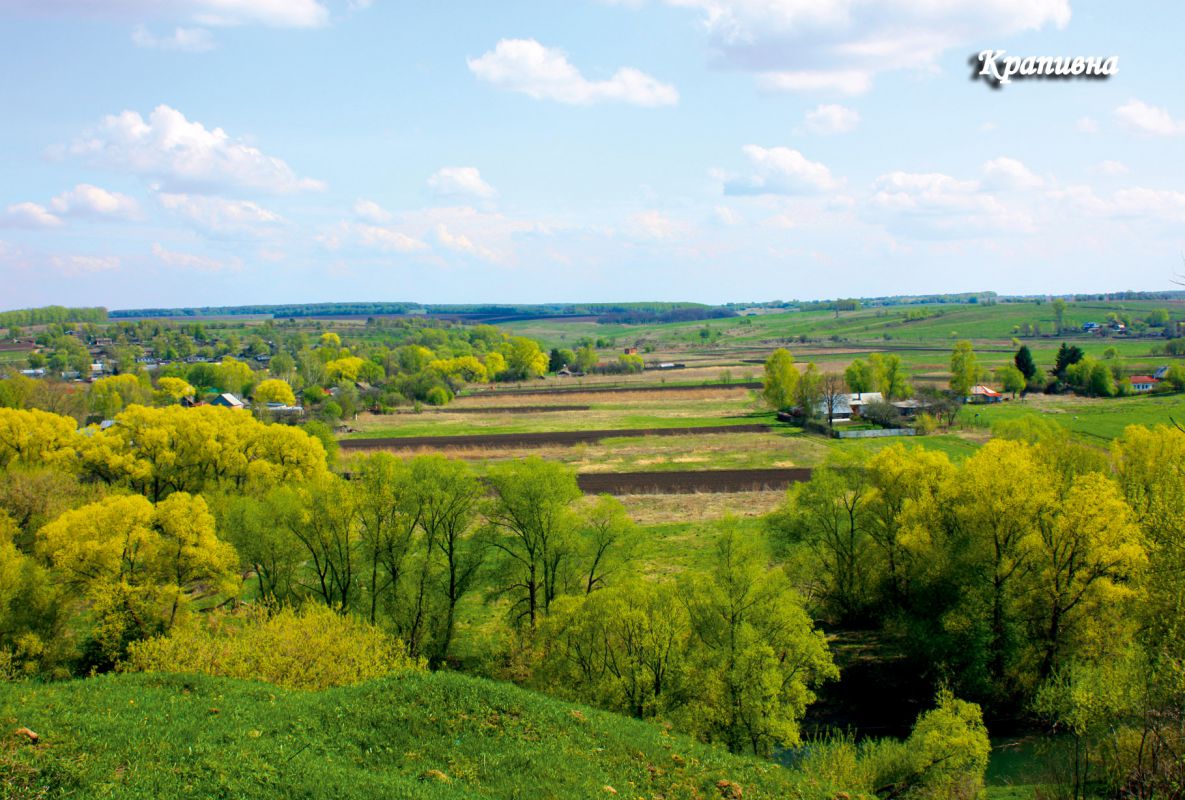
(609, 537)
(889, 376)
(827, 515)
(530, 514)
(781, 380)
(524, 359)
(586, 358)
(233, 376)
(755, 654)
(860, 377)
(965, 371)
(1059, 313)
(136, 565)
(274, 390)
(322, 517)
(1067, 356)
(108, 396)
(809, 394)
(623, 648)
(835, 394)
(1024, 362)
(173, 390)
(1011, 379)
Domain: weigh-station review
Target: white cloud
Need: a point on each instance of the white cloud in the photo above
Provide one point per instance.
(1087, 125)
(272, 13)
(85, 200)
(187, 40)
(1008, 173)
(371, 211)
(28, 215)
(780, 170)
(929, 205)
(1133, 204)
(188, 261)
(832, 118)
(375, 237)
(1110, 169)
(727, 216)
(544, 73)
(461, 182)
(653, 224)
(185, 155)
(78, 265)
(841, 45)
(459, 242)
(1152, 120)
(844, 81)
(220, 215)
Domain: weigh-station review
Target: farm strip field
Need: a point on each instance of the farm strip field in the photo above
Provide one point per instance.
(687, 482)
(530, 439)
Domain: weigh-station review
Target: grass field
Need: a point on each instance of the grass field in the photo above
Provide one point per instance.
(441, 735)
(1097, 419)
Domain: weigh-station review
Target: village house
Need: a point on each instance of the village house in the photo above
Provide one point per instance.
(984, 394)
(1143, 383)
(228, 400)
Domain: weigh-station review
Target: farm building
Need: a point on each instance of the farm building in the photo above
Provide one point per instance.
(984, 394)
(1143, 383)
(848, 405)
(229, 401)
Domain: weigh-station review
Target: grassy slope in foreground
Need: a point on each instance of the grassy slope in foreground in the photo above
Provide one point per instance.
(187, 736)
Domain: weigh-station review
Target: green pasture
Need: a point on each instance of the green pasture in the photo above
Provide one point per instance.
(1090, 418)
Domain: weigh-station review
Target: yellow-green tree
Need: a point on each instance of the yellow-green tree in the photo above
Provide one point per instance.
(275, 390)
(37, 438)
(344, 369)
(234, 376)
(524, 359)
(755, 654)
(137, 565)
(779, 389)
(170, 390)
(108, 396)
(965, 371)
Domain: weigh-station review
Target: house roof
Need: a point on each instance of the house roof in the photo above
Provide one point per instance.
(985, 391)
(1144, 379)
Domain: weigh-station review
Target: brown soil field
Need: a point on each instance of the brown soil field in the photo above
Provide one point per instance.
(714, 481)
(489, 409)
(612, 388)
(503, 440)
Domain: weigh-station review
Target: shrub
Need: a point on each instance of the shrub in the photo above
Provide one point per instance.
(313, 648)
(884, 414)
(925, 424)
(438, 396)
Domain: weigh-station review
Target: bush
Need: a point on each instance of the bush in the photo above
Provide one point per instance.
(884, 414)
(925, 424)
(438, 396)
(313, 648)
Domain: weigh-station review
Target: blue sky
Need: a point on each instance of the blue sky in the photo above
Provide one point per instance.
(194, 152)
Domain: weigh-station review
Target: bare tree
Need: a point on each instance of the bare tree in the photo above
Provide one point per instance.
(835, 394)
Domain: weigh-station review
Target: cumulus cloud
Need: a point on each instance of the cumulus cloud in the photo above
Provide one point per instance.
(220, 215)
(832, 118)
(371, 211)
(187, 40)
(1152, 120)
(780, 170)
(841, 45)
(653, 224)
(88, 201)
(1110, 168)
(188, 261)
(544, 73)
(185, 155)
(1008, 173)
(929, 205)
(460, 243)
(375, 237)
(1133, 204)
(461, 182)
(28, 215)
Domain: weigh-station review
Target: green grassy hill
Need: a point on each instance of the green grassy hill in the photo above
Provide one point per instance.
(439, 735)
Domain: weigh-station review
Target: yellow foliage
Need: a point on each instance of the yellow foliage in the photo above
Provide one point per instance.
(313, 648)
(37, 438)
(275, 390)
(346, 368)
(173, 390)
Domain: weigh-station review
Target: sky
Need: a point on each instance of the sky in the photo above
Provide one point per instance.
(164, 153)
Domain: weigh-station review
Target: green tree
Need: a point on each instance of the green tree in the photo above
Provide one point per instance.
(1059, 313)
(965, 371)
(860, 377)
(609, 538)
(1024, 362)
(1011, 379)
(533, 523)
(781, 380)
(524, 359)
(274, 390)
(755, 654)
